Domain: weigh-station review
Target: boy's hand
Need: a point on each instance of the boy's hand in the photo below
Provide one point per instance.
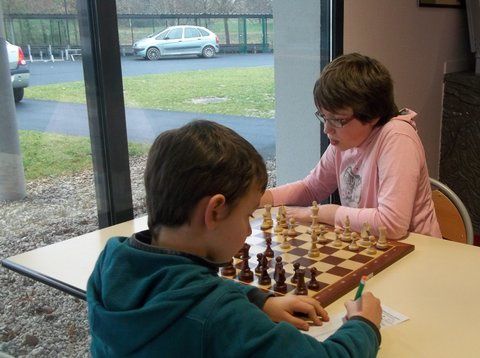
(284, 308)
(367, 306)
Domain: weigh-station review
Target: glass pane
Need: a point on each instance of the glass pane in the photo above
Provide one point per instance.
(58, 203)
(178, 84)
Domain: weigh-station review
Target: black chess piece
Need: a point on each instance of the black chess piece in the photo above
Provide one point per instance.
(278, 266)
(228, 270)
(239, 254)
(264, 278)
(245, 274)
(296, 267)
(268, 250)
(258, 269)
(313, 284)
(280, 285)
(245, 251)
(301, 289)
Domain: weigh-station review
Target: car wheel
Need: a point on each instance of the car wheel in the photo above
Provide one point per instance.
(18, 94)
(153, 54)
(208, 52)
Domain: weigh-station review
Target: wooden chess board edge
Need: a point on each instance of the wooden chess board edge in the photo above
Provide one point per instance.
(331, 293)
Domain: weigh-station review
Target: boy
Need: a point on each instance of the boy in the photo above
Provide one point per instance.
(375, 158)
(158, 292)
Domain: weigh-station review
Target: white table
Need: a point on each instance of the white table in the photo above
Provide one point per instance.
(437, 286)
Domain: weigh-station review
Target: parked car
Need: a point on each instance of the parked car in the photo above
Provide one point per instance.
(18, 70)
(178, 41)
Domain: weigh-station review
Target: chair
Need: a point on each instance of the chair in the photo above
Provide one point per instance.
(452, 215)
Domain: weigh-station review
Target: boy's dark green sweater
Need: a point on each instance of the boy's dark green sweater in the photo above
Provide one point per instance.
(148, 302)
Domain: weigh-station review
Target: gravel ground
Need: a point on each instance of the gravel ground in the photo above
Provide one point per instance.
(35, 319)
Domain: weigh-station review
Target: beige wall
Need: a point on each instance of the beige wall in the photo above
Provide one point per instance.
(418, 45)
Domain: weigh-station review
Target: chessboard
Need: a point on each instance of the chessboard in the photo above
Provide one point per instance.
(337, 269)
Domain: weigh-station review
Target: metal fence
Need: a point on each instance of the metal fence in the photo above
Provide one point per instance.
(56, 36)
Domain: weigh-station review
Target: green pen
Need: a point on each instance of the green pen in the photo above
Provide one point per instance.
(361, 285)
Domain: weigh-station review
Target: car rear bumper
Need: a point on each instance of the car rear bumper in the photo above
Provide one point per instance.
(20, 77)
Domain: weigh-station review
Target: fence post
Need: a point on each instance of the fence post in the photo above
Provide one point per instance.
(30, 53)
(50, 53)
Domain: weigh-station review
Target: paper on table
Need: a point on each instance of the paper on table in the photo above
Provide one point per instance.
(389, 318)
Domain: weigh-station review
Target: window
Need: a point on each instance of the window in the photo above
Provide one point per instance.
(204, 33)
(161, 35)
(175, 34)
(191, 32)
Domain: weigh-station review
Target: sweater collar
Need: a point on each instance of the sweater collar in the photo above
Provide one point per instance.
(143, 241)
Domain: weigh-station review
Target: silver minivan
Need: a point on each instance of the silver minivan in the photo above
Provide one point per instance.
(19, 71)
(178, 41)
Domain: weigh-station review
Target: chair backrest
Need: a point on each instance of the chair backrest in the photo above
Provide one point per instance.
(452, 215)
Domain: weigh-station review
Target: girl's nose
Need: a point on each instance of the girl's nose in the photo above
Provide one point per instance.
(327, 128)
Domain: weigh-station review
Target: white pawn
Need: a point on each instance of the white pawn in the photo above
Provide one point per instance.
(267, 220)
(291, 227)
(382, 243)
(337, 242)
(278, 227)
(364, 235)
(314, 252)
(347, 234)
(314, 208)
(321, 235)
(371, 249)
(285, 244)
(353, 245)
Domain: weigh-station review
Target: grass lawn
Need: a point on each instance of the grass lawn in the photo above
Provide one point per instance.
(47, 154)
(236, 91)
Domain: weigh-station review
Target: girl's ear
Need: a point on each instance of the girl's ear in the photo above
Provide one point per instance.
(215, 210)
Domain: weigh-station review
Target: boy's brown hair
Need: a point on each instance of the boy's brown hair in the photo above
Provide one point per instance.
(359, 82)
(200, 159)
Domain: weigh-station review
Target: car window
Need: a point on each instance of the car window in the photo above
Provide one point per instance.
(204, 32)
(175, 34)
(191, 32)
(161, 35)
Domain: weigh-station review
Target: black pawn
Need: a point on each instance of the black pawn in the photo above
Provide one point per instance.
(301, 289)
(280, 285)
(313, 284)
(245, 251)
(278, 266)
(245, 275)
(258, 269)
(268, 251)
(229, 270)
(296, 267)
(264, 278)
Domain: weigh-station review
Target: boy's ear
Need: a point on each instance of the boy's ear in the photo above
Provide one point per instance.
(216, 210)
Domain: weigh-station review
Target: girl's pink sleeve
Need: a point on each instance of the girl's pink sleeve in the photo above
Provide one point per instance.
(318, 185)
(399, 166)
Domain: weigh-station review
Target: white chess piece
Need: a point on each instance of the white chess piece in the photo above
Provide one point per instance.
(285, 244)
(353, 244)
(337, 242)
(321, 235)
(313, 252)
(364, 235)
(382, 243)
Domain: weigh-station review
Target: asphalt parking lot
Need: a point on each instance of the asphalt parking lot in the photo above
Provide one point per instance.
(143, 125)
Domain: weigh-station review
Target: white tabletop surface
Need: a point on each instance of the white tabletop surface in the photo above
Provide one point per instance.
(437, 286)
